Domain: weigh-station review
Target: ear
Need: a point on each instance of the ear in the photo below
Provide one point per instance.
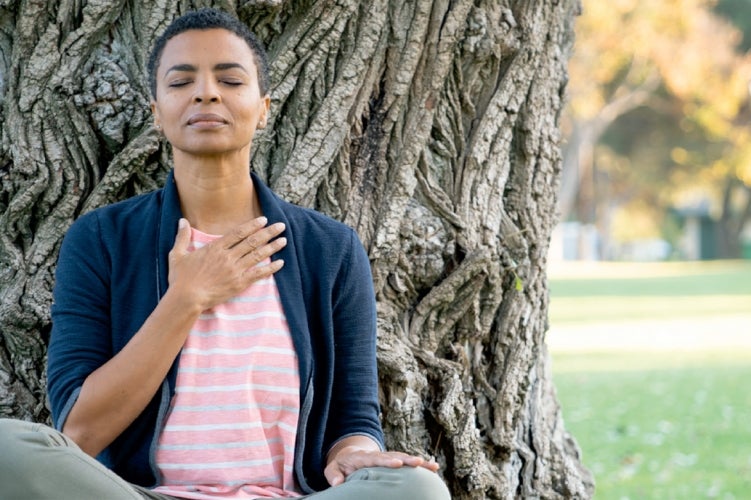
(155, 114)
(266, 103)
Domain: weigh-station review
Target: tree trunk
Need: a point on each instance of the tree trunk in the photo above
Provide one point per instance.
(430, 126)
(735, 214)
(579, 151)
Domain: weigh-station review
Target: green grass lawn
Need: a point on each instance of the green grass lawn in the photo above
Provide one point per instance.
(619, 291)
(657, 425)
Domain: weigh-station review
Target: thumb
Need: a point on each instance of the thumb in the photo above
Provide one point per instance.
(333, 474)
(182, 240)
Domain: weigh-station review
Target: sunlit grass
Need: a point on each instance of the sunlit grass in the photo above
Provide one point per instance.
(586, 309)
(591, 363)
(625, 291)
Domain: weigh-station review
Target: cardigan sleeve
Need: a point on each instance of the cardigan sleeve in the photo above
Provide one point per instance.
(354, 408)
(80, 340)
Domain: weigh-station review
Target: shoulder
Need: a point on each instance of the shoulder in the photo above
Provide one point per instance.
(138, 205)
(322, 241)
(306, 224)
(130, 214)
(142, 205)
(316, 222)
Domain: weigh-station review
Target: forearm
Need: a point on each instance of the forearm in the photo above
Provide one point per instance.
(112, 396)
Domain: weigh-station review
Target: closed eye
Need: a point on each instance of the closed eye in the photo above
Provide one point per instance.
(179, 83)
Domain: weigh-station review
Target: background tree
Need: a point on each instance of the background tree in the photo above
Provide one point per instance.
(658, 116)
(430, 126)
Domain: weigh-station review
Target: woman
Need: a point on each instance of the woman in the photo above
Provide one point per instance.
(209, 339)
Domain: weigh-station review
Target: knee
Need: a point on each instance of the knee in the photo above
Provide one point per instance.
(36, 461)
(421, 483)
(13, 441)
(12, 431)
(19, 440)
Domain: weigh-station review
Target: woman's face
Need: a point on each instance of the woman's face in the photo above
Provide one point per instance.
(207, 97)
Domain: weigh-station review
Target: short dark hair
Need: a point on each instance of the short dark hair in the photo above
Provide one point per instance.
(206, 19)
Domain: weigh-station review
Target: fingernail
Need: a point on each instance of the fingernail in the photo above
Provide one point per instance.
(263, 220)
(182, 223)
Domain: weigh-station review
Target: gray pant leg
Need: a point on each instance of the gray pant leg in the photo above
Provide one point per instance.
(38, 462)
(378, 483)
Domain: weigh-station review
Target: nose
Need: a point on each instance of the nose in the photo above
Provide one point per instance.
(206, 90)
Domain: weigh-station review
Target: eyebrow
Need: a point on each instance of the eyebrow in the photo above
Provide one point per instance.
(218, 67)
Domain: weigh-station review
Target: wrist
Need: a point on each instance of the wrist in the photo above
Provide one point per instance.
(352, 444)
(184, 301)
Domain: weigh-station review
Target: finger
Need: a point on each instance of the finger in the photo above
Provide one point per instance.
(241, 232)
(256, 273)
(261, 253)
(264, 250)
(387, 461)
(417, 461)
(413, 461)
(431, 466)
(406, 457)
(258, 239)
(357, 461)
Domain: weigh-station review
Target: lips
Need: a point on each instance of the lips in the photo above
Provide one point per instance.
(207, 118)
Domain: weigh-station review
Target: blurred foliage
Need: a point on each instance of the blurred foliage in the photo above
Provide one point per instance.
(665, 87)
(733, 10)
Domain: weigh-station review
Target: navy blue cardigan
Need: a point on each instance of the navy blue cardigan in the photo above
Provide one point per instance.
(112, 271)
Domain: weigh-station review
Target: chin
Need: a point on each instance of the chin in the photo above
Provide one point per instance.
(200, 148)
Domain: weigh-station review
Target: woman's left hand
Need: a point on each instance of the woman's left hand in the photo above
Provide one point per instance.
(347, 459)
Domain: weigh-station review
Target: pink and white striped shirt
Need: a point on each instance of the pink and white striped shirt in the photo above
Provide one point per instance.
(232, 425)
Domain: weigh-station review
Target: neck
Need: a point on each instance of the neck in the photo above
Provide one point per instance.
(216, 194)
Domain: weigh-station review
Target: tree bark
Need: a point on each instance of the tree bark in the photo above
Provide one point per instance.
(430, 126)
